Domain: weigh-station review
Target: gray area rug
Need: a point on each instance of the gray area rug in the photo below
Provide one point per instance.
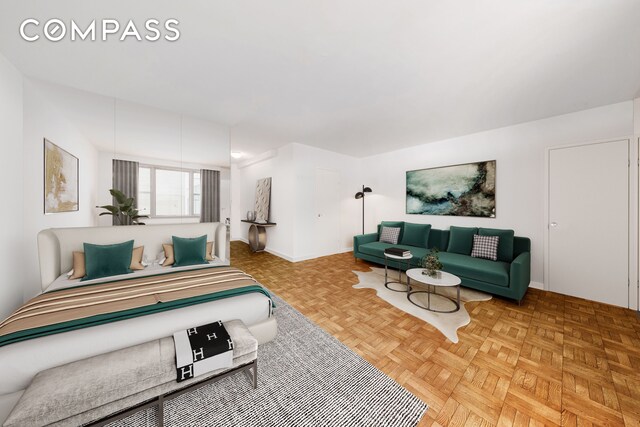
(306, 377)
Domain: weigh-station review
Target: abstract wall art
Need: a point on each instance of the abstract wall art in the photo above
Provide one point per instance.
(460, 190)
(60, 179)
(263, 199)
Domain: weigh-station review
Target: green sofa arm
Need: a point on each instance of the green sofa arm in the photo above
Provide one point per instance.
(362, 239)
(520, 275)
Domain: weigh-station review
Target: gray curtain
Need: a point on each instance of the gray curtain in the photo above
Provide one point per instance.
(125, 179)
(210, 188)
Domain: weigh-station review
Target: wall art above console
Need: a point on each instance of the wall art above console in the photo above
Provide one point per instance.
(460, 190)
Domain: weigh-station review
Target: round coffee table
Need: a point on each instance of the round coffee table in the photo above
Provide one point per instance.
(444, 279)
(398, 258)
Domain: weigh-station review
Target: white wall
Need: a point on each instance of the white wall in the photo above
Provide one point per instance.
(11, 174)
(636, 116)
(293, 172)
(280, 168)
(105, 183)
(306, 161)
(43, 120)
(520, 154)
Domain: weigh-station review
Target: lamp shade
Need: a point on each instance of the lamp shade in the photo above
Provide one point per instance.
(360, 195)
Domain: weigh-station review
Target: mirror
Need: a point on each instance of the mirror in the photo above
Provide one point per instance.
(182, 164)
(175, 166)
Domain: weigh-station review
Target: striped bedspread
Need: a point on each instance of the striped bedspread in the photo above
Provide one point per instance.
(83, 306)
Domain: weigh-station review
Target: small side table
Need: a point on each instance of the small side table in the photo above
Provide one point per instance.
(387, 282)
(258, 234)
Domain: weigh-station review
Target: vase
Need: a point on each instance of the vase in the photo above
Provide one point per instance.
(251, 215)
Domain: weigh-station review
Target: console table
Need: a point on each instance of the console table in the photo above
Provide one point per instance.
(258, 234)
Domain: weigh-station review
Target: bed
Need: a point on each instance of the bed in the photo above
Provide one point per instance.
(21, 360)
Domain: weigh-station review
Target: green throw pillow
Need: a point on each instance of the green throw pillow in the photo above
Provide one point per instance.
(107, 260)
(505, 242)
(416, 235)
(461, 239)
(189, 251)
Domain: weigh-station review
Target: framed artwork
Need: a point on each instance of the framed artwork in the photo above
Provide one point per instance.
(263, 199)
(460, 190)
(60, 179)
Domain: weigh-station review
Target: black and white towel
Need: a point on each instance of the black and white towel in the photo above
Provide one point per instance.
(202, 349)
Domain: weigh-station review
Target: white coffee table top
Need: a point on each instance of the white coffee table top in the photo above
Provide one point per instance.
(398, 256)
(445, 279)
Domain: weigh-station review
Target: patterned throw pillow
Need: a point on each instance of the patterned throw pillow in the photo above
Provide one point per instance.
(485, 247)
(389, 235)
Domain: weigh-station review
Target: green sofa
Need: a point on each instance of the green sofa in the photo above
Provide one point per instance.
(509, 276)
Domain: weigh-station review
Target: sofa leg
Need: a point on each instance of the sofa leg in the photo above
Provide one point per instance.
(519, 303)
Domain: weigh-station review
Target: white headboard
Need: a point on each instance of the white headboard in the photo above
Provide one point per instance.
(56, 245)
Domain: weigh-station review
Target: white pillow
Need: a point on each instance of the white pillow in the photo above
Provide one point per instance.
(389, 235)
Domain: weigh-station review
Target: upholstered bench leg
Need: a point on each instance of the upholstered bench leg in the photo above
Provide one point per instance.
(161, 411)
(252, 377)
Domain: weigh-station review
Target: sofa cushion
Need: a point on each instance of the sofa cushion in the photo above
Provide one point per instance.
(461, 239)
(495, 272)
(389, 234)
(505, 244)
(391, 224)
(416, 234)
(485, 247)
(377, 249)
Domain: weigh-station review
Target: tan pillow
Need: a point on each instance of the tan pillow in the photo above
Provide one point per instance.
(168, 254)
(136, 258)
(78, 265)
(79, 270)
(209, 256)
(170, 259)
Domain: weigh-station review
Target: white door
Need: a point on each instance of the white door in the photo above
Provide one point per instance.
(327, 205)
(589, 221)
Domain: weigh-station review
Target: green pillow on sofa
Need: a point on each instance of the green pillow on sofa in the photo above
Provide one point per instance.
(461, 240)
(505, 243)
(416, 235)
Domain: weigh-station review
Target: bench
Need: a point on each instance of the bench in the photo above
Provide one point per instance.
(114, 385)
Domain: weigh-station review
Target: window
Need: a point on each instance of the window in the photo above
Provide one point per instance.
(168, 192)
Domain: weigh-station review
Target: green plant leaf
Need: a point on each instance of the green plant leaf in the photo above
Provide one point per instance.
(112, 209)
(119, 196)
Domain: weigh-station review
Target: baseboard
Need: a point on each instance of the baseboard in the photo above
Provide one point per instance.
(280, 254)
(295, 259)
(536, 285)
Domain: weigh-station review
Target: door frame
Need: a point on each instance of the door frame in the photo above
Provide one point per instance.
(633, 263)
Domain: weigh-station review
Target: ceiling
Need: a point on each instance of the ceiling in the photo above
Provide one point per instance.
(358, 77)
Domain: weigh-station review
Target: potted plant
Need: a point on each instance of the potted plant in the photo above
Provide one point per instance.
(123, 209)
(431, 264)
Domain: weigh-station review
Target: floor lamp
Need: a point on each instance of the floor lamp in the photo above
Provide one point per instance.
(360, 195)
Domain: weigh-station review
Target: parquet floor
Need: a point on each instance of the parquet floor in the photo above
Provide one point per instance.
(556, 360)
